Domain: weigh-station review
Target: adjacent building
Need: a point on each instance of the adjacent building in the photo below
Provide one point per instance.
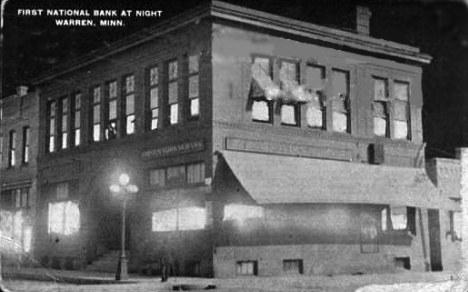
(19, 139)
(261, 145)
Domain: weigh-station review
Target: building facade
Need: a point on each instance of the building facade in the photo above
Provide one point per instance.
(19, 139)
(261, 145)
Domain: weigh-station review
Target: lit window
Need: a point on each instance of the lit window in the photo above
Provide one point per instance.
(341, 101)
(51, 126)
(193, 84)
(96, 114)
(129, 105)
(64, 217)
(401, 111)
(247, 268)
(242, 212)
(188, 218)
(261, 106)
(173, 92)
(26, 141)
(110, 131)
(399, 218)
(456, 225)
(64, 123)
(12, 149)
(380, 109)
(154, 98)
(77, 120)
(289, 75)
(316, 108)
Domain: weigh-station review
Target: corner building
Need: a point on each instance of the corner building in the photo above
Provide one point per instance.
(261, 145)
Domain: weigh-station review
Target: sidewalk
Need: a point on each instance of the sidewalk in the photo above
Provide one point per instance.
(285, 283)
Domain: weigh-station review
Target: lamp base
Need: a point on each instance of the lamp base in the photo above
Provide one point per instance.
(122, 269)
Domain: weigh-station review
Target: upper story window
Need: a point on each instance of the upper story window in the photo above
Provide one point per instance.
(64, 123)
(12, 149)
(193, 86)
(262, 106)
(290, 79)
(26, 144)
(110, 129)
(96, 113)
(154, 97)
(173, 91)
(181, 175)
(76, 119)
(316, 109)
(16, 198)
(129, 101)
(341, 101)
(51, 127)
(391, 109)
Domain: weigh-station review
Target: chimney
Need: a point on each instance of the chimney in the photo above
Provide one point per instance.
(21, 90)
(363, 15)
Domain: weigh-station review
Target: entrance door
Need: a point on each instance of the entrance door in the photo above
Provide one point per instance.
(434, 240)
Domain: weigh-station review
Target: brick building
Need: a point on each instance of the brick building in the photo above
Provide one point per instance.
(260, 144)
(19, 139)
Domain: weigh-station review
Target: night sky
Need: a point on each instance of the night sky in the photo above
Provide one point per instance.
(440, 28)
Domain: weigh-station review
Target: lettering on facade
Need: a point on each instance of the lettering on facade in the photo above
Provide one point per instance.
(172, 150)
(288, 149)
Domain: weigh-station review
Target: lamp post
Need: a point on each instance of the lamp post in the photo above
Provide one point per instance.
(123, 190)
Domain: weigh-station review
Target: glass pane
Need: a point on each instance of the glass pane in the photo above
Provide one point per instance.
(289, 71)
(400, 129)
(380, 89)
(173, 70)
(130, 124)
(192, 218)
(380, 127)
(96, 132)
(78, 101)
(196, 173)
(51, 144)
(111, 130)
(129, 84)
(65, 105)
(113, 89)
(154, 76)
(315, 76)
(77, 137)
(96, 95)
(174, 116)
(64, 140)
(401, 91)
(314, 117)
(262, 64)
(194, 107)
(260, 111)
(400, 110)
(77, 119)
(340, 122)
(52, 127)
(130, 104)
(52, 109)
(72, 218)
(176, 175)
(288, 114)
(193, 64)
(56, 220)
(113, 110)
(164, 220)
(96, 114)
(398, 217)
(340, 83)
(173, 92)
(193, 86)
(64, 123)
(154, 123)
(157, 177)
(26, 154)
(380, 109)
(154, 97)
(384, 218)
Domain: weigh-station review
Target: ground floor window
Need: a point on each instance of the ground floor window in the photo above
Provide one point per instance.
(247, 268)
(64, 217)
(188, 218)
(241, 213)
(293, 266)
(399, 218)
(14, 226)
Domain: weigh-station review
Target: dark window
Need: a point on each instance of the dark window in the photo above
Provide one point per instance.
(129, 104)
(110, 129)
(96, 114)
(173, 91)
(154, 98)
(51, 126)
(64, 123)
(193, 86)
(76, 119)
(411, 214)
(293, 266)
(26, 141)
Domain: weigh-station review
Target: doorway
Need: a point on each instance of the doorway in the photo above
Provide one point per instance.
(434, 240)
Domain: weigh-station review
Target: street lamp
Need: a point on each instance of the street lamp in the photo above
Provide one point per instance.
(123, 190)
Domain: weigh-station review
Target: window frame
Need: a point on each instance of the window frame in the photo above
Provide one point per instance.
(322, 104)
(51, 126)
(156, 87)
(190, 75)
(96, 104)
(295, 105)
(347, 102)
(12, 148)
(108, 99)
(75, 119)
(126, 94)
(242, 262)
(64, 118)
(26, 145)
(253, 100)
(169, 81)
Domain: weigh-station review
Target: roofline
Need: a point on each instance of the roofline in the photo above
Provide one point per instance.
(221, 10)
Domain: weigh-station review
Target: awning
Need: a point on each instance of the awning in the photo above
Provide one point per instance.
(274, 179)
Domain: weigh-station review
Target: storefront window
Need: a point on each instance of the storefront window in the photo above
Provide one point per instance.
(188, 218)
(64, 217)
